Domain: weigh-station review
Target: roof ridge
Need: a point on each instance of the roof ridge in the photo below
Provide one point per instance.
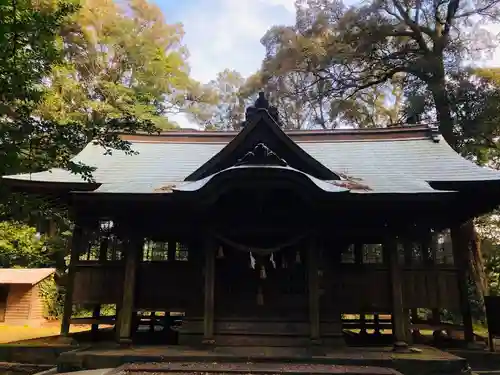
(203, 133)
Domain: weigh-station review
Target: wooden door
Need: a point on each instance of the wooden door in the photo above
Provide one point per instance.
(4, 292)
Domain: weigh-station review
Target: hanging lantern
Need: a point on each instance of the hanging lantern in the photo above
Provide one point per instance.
(297, 257)
(263, 275)
(260, 297)
(220, 253)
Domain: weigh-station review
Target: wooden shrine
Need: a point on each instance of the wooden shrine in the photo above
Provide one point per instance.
(267, 237)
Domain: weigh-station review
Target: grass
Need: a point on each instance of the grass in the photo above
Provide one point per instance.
(44, 334)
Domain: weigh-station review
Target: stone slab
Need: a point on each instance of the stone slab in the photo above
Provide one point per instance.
(252, 368)
(427, 360)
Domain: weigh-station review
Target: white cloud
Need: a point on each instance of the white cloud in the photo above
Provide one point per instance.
(224, 34)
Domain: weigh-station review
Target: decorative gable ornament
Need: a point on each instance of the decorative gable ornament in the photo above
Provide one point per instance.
(261, 104)
(261, 155)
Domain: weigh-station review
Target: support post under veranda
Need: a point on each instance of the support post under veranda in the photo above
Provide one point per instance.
(313, 281)
(133, 247)
(96, 313)
(399, 316)
(460, 247)
(209, 291)
(78, 243)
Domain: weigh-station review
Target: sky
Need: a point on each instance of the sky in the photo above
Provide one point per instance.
(226, 33)
(222, 34)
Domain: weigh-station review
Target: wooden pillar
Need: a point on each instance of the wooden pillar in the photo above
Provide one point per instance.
(77, 245)
(127, 305)
(358, 260)
(376, 323)
(103, 256)
(313, 283)
(460, 247)
(209, 291)
(399, 316)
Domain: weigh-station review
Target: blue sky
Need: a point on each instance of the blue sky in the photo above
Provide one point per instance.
(226, 33)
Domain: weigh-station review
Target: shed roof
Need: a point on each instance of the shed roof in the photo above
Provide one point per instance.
(30, 276)
(391, 160)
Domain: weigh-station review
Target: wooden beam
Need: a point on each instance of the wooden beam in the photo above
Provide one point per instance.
(209, 291)
(78, 241)
(460, 247)
(399, 317)
(127, 305)
(313, 280)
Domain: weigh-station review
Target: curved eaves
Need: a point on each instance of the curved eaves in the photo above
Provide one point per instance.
(241, 174)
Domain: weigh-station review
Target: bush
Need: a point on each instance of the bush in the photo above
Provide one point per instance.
(52, 297)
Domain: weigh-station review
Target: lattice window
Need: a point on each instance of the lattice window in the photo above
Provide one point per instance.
(155, 251)
(181, 251)
(444, 249)
(347, 255)
(416, 253)
(372, 254)
(410, 253)
(91, 252)
(115, 248)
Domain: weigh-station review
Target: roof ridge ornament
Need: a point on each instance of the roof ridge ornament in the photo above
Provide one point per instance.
(261, 155)
(435, 133)
(262, 103)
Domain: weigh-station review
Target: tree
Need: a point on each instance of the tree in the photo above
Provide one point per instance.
(366, 46)
(121, 59)
(21, 246)
(224, 107)
(309, 101)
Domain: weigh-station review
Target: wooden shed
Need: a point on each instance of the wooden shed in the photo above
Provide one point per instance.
(20, 301)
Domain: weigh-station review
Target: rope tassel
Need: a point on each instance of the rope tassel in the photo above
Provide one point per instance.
(220, 253)
(252, 261)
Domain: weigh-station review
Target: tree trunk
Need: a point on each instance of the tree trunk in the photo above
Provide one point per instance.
(443, 109)
(475, 258)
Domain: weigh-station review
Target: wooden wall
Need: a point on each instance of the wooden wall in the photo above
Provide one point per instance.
(346, 289)
(98, 283)
(353, 290)
(24, 304)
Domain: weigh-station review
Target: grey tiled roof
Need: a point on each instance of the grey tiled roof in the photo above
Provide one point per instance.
(401, 165)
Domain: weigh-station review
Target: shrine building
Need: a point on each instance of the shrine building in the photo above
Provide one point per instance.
(268, 237)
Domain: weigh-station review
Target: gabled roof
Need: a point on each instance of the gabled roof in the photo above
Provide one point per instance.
(392, 160)
(262, 128)
(28, 276)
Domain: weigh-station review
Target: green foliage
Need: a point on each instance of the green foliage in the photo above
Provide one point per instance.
(52, 297)
(344, 61)
(225, 106)
(122, 60)
(20, 247)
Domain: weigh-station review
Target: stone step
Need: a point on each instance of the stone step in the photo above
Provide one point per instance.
(256, 340)
(250, 368)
